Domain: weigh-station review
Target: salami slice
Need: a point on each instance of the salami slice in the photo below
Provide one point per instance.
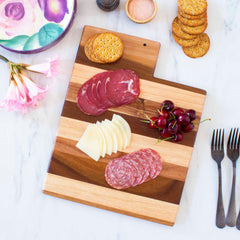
(133, 169)
(85, 104)
(123, 87)
(120, 174)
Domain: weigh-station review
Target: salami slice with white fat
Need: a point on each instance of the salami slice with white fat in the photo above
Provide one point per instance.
(133, 169)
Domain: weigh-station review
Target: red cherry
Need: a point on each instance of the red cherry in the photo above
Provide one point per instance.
(192, 114)
(152, 123)
(165, 133)
(178, 111)
(173, 127)
(162, 122)
(188, 128)
(178, 137)
(164, 114)
(167, 105)
(183, 119)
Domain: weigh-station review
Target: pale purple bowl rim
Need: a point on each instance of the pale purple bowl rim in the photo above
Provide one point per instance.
(52, 43)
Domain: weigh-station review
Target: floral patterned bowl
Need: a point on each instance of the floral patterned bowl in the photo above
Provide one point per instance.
(31, 26)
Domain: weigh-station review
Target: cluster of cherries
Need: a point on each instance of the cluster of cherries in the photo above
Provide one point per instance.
(171, 122)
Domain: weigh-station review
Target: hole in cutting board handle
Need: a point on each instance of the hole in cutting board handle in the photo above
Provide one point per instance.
(144, 44)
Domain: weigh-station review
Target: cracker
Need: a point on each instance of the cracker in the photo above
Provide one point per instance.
(192, 22)
(193, 30)
(108, 47)
(184, 42)
(86, 48)
(191, 16)
(179, 32)
(91, 51)
(193, 7)
(200, 49)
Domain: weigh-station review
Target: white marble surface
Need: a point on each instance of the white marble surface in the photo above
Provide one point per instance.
(27, 141)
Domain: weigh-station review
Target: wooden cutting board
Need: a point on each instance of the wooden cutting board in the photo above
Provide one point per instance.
(74, 176)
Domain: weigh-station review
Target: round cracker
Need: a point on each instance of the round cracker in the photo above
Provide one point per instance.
(193, 7)
(91, 51)
(200, 49)
(184, 42)
(193, 30)
(179, 32)
(108, 47)
(192, 22)
(86, 48)
(191, 16)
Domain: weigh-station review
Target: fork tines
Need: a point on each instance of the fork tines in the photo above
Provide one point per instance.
(218, 140)
(234, 138)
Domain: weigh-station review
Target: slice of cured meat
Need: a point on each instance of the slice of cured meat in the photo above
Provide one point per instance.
(85, 104)
(133, 169)
(123, 87)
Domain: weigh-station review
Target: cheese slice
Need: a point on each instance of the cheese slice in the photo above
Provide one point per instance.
(113, 135)
(117, 131)
(106, 138)
(91, 142)
(125, 125)
(122, 132)
(102, 139)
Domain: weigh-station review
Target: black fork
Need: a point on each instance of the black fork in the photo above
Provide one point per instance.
(217, 151)
(233, 154)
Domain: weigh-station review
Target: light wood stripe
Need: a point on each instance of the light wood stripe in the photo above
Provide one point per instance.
(149, 90)
(110, 199)
(170, 152)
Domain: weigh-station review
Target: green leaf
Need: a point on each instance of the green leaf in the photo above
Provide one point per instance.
(32, 43)
(16, 43)
(48, 33)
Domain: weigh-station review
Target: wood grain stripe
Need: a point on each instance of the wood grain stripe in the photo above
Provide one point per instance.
(149, 90)
(110, 199)
(74, 129)
(71, 110)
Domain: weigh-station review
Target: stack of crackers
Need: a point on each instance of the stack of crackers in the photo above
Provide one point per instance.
(189, 26)
(104, 48)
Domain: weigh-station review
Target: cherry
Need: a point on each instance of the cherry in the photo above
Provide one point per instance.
(173, 127)
(167, 105)
(189, 127)
(183, 119)
(164, 114)
(162, 122)
(165, 133)
(192, 114)
(178, 137)
(178, 111)
(152, 123)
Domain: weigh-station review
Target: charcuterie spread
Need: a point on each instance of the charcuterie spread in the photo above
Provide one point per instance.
(105, 137)
(133, 169)
(108, 89)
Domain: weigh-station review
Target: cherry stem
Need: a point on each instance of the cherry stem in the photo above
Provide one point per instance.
(153, 123)
(160, 140)
(207, 119)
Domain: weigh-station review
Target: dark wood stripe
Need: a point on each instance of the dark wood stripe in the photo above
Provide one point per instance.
(71, 110)
(68, 165)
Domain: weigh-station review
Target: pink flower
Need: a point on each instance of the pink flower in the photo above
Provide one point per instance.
(50, 68)
(22, 94)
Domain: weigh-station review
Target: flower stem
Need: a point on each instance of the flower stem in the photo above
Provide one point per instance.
(3, 58)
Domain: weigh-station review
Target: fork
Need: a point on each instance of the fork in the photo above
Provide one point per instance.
(217, 151)
(233, 154)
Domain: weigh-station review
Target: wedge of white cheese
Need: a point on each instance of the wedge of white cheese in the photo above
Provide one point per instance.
(105, 137)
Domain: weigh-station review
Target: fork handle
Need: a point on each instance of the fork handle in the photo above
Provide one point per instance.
(238, 221)
(231, 216)
(220, 216)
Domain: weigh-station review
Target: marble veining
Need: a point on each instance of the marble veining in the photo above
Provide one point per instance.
(27, 140)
